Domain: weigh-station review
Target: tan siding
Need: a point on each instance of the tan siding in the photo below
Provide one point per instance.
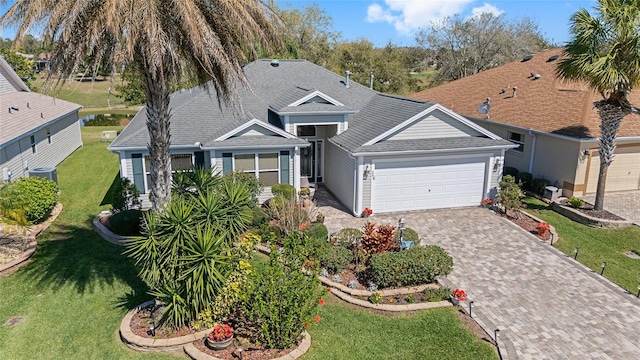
(436, 125)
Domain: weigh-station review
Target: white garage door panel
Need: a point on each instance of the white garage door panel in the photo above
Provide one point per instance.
(422, 184)
(623, 173)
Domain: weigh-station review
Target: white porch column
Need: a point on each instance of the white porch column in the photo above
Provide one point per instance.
(296, 168)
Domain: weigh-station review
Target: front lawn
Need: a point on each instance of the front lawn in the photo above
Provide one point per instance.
(78, 287)
(595, 245)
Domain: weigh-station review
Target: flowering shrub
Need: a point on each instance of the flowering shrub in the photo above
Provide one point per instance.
(367, 212)
(543, 228)
(488, 202)
(459, 294)
(221, 332)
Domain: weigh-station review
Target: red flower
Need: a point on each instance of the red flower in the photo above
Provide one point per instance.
(321, 302)
(221, 332)
(316, 318)
(306, 325)
(543, 226)
(459, 294)
(303, 226)
(329, 289)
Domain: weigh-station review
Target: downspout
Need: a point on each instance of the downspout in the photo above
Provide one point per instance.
(533, 152)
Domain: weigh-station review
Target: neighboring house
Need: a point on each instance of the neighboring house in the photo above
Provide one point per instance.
(36, 131)
(304, 124)
(553, 122)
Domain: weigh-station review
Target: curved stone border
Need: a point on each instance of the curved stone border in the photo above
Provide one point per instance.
(105, 233)
(347, 294)
(140, 343)
(552, 229)
(21, 261)
(304, 346)
(389, 307)
(578, 216)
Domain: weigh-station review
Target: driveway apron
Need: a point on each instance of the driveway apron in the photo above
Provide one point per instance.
(545, 304)
(625, 204)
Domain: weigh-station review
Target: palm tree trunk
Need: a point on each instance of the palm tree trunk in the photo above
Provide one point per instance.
(158, 116)
(610, 118)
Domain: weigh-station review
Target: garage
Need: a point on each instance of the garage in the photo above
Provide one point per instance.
(402, 184)
(623, 173)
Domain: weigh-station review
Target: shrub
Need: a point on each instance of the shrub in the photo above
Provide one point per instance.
(508, 170)
(12, 205)
(408, 235)
(509, 194)
(435, 295)
(285, 190)
(375, 298)
(305, 191)
(253, 185)
(539, 184)
(377, 239)
(288, 215)
(281, 297)
(575, 202)
(259, 217)
(318, 231)
(336, 258)
(347, 237)
(125, 196)
(126, 222)
(524, 179)
(40, 197)
(417, 265)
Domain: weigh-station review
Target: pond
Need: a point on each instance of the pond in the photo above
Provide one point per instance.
(105, 119)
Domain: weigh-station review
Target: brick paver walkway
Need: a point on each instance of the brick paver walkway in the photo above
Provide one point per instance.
(623, 203)
(546, 304)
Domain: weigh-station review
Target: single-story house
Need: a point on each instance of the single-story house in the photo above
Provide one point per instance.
(553, 122)
(301, 123)
(36, 131)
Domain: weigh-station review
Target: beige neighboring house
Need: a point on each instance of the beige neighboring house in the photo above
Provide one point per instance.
(36, 131)
(553, 122)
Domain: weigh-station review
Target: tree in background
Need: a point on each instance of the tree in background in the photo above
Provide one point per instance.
(164, 40)
(387, 66)
(465, 47)
(21, 65)
(604, 53)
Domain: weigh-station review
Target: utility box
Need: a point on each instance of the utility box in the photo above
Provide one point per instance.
(552, 193)
(109, 135)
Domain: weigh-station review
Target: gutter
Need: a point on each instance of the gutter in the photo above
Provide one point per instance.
(533, 152)
(436, 151)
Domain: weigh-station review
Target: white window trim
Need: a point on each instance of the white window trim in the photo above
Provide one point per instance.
(522, 136)
(256, 163)
(145, 172)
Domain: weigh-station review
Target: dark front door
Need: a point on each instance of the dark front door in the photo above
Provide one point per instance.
(308, 162)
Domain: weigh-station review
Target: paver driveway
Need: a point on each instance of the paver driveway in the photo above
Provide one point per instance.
(621, 203)
(546, 304)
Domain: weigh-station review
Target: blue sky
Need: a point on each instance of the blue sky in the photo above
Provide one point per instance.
(381, 21)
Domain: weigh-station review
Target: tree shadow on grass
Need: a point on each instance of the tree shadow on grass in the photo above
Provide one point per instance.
(108, 196)
(531, 206)
(75, 256)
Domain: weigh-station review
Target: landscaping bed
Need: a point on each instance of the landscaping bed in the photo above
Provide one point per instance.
(12, 245)
(249, 352)
(140, 324)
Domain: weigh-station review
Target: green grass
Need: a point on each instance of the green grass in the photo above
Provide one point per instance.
(78, 287)
(86, 93)
(595, 245)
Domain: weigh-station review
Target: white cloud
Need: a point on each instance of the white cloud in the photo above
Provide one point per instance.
(486, 8)
(409, 15)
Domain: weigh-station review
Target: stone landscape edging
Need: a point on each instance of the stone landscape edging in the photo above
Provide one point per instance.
(552, 229)
(304, 346)
(107, 234)
(144, 344)
(346, 294)
(22, 260)
(585, 219)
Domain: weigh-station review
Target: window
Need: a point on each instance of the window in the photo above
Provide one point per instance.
(307, 131)
(284, 167)
(138, 172)
(49, 134)
(178, 162)
(264, 166)
(517, 139)
(33, 144)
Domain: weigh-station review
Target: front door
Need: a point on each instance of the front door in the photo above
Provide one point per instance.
(311, 161)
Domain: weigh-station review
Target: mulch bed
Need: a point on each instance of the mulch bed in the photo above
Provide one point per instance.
(587, 209)
(249, 352)
(12, 244)
(526, 223)
(141, 322)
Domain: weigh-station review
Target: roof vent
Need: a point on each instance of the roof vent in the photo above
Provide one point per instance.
(347, 73)
(275, 63)
(15, 107)
(553, 58)
(527, 58)
(515, 88)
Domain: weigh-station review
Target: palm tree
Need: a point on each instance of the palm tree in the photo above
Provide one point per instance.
(209, 39)
(604, 52)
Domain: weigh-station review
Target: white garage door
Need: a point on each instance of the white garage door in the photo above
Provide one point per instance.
(427, 184)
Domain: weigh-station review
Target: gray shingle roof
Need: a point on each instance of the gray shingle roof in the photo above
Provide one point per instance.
(197, 117)
(459, 143)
